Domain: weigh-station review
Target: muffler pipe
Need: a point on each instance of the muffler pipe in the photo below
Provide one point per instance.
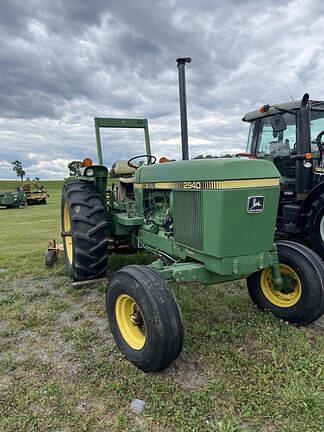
(181, 63)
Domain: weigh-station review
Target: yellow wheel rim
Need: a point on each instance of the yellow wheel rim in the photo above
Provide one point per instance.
(130, 322)
(276, 297)
(68, 239)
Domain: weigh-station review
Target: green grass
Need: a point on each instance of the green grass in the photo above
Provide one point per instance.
(240, 370)
(25, 232)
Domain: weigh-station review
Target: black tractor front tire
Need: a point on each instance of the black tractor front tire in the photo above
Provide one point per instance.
(144, 318)
(305, 303)
(84, 231)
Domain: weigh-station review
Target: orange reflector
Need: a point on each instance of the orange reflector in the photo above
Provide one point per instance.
(264, 108)
(87, 162)
(163, 159)
(308, 156)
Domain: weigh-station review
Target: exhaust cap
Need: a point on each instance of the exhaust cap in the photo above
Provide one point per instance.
(183, 60)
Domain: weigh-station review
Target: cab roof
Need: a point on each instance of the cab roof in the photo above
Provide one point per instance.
(252, 115)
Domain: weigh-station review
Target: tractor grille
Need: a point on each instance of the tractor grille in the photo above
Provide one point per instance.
(188, 221)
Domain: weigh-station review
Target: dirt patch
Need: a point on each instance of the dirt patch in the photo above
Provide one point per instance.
(185, 371)
(59, 312)
(319, 324)
(30, 289)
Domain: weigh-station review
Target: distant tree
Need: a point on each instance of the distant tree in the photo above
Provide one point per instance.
(213, 157)
(27, 178)
(74, 168)
(36, 179)
(205, 157)
(18, 168)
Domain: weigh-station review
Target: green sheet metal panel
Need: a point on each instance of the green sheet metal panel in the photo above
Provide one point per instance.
(230, 230)
(206, 170)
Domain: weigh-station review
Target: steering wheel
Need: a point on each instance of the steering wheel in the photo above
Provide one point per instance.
(151, 160)
(319, 142)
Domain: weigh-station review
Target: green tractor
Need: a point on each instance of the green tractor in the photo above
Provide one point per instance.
(17, 199)
(291, 135)
(207, 221)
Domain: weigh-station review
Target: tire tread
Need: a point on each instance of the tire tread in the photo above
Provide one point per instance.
(88, 228)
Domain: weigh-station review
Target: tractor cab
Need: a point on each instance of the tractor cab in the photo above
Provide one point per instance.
(287, 135)
(291, 136)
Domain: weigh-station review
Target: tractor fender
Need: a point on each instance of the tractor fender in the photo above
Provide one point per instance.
(311, 197)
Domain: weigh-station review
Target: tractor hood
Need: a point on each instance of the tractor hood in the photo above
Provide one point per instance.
(206, 170)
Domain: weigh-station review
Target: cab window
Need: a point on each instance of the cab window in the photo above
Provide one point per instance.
(317, 126)
(273, 143)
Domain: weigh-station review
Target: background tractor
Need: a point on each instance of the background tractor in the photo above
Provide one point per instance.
(291, 135)
(35, 192)
(207, 221)
(16, 199)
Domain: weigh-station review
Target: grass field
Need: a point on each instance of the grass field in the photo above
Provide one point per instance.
(240, 370)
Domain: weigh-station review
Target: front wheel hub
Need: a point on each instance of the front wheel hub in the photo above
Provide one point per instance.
(136, 317)
(130, 321)
(290, 292)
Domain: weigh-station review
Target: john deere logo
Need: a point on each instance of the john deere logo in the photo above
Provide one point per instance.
(255, 204)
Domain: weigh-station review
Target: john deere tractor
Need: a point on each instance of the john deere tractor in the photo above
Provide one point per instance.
(207, 221)
(291, 135)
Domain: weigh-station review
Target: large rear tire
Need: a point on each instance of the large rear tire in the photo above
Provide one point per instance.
(144, 317)
(302, 299)
(84, 231)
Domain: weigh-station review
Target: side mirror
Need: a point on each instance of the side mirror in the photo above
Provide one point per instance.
(278, 123)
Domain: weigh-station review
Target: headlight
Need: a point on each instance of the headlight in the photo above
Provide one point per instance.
(307, 164)
(89, 172)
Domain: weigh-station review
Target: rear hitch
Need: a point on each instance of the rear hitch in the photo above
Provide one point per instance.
(53, 251)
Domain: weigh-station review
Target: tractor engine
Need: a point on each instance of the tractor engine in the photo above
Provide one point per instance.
(157, 210)
(221, 212)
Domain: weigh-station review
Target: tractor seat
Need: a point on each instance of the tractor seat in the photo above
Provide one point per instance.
(279, 148)
(126, 180)
(121, 168)
(125, 188)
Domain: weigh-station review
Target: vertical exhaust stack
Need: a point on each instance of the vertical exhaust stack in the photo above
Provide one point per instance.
(181, 63)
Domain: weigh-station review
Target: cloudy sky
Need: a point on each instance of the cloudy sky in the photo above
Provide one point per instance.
(63, 62)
